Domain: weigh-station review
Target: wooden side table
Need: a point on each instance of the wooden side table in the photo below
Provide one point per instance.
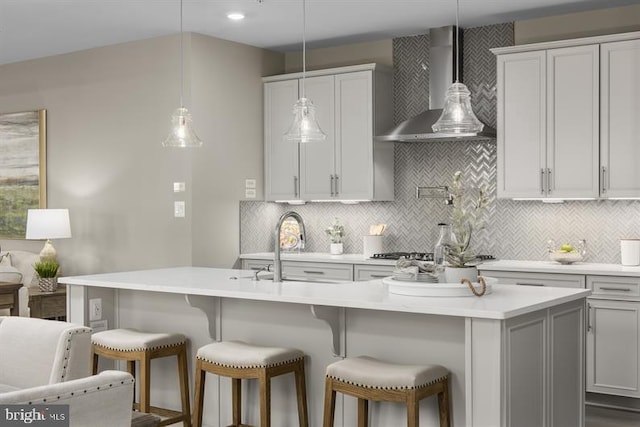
(48, 305)
(9, 297)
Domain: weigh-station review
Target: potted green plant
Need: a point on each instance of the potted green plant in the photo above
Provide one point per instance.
(467, 217)
(335, 233)
(47, 271)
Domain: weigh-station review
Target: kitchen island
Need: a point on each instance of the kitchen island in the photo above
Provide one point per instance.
(515, 356)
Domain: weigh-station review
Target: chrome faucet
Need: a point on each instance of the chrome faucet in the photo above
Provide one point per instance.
(277, 264)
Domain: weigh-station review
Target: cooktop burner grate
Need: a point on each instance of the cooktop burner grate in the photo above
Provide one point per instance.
(418, 256)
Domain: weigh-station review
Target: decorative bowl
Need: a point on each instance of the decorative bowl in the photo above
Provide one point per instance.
(567, 253)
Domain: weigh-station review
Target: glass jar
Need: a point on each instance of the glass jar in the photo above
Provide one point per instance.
(442, 246)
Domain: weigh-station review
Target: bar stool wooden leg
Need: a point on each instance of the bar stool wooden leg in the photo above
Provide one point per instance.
(183, 374)
(265, 398)
(94, 361)
(443, 404)
(329, 403)
(301, 393)
(412, 409)
(198, 403)
(145, 383)
(363, 412)
(236, 398)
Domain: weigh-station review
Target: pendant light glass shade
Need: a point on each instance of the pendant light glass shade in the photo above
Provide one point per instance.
(305, 127)
(182, 134)
(457, 116)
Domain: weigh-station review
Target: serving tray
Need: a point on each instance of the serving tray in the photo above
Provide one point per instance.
(424, 289)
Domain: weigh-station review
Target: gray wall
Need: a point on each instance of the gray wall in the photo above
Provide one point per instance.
(515, 230)
(108, 111)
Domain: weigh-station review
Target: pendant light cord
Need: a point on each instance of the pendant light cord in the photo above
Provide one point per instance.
(304, 45)
(181, 61)
(457, 42)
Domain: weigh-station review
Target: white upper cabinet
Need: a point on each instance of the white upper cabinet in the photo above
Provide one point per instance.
(548, 123)
(569, 118)
(573, 111)
(620, 118)
(281, 157)
(352, 105)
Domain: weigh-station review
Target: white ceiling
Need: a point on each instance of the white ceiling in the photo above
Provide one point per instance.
(36, 28)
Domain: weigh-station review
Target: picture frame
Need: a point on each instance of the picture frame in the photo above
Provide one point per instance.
(23, 169)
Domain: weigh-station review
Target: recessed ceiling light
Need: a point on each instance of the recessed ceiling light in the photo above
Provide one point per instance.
(235, 16)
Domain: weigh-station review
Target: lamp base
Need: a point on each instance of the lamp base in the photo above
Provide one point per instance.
(48, 252)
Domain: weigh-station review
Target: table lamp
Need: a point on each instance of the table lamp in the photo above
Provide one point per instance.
(48, 224)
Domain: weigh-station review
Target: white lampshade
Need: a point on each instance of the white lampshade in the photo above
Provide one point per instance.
(48, 224)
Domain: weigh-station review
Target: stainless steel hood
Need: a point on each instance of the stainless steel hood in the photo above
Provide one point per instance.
(442, 57)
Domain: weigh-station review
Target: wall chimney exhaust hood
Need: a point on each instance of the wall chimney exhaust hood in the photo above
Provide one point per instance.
(442, 57)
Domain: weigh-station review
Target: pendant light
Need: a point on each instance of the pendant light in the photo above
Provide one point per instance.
(182, 134)
(457, 116)
(305, 127)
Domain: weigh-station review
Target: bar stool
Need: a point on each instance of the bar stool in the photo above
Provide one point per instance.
(239, 360)
(135, 346)
(370, 379)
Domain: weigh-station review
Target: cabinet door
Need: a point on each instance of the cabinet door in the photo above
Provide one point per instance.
(612, 347)
(573, 111)
(536, 279)
(317, 271)
(521, 124)
(620, 118)
(281, 157)
(317, 162)
(354, 135)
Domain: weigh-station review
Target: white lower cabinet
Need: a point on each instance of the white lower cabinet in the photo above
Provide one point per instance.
(613, 336)
(536, 279)
(363, 272)
(317, 271)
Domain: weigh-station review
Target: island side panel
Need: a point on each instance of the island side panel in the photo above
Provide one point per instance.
(410, 339)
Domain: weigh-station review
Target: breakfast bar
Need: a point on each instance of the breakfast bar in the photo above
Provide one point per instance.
(515, 355)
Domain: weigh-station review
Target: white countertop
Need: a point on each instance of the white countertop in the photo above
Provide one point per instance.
(505, 302)
(320, 257)
(554, 267)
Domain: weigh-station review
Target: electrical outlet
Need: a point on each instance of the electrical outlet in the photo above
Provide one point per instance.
(179, 187)
(95, 309)
(99, 325)
(250, 193)
(249, 183)
(178, 209)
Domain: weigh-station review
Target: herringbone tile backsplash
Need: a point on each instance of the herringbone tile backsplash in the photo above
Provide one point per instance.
(515, 229)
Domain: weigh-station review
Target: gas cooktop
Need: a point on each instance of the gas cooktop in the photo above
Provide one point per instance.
(418, 256)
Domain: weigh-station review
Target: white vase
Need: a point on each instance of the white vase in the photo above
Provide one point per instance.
(456, 274)
(336, 249)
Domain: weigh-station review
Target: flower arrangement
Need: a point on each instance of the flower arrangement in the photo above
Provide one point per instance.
(335, 231)
(467, 216)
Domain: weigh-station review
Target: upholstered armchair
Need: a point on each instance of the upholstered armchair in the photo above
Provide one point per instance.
(17, 267)
(48, 362)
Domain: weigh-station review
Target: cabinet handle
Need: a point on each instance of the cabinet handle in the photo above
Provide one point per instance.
(542, 181)
(615, 289)
(295, 186)
(332, 184)
(604, 176)
(529, 284)
(549, 181)
(378, 276)
(336, 184)
(588, 317)
(312, 272)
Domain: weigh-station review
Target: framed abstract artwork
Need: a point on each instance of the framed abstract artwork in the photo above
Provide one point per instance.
(23, 169)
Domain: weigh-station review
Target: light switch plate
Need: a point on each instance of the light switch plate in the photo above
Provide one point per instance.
(250, 193)
(179, 209)
(179, 187)
(95, 309)
(249, 183)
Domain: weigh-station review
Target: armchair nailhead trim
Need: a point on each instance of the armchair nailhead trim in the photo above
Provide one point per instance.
(437, 380)
(271, 365)
(64, 396)
(131, 350)
(68, 350)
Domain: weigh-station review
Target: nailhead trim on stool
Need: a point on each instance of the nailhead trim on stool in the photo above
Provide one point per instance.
(239, 360)
(136, 346)
(367, 379)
